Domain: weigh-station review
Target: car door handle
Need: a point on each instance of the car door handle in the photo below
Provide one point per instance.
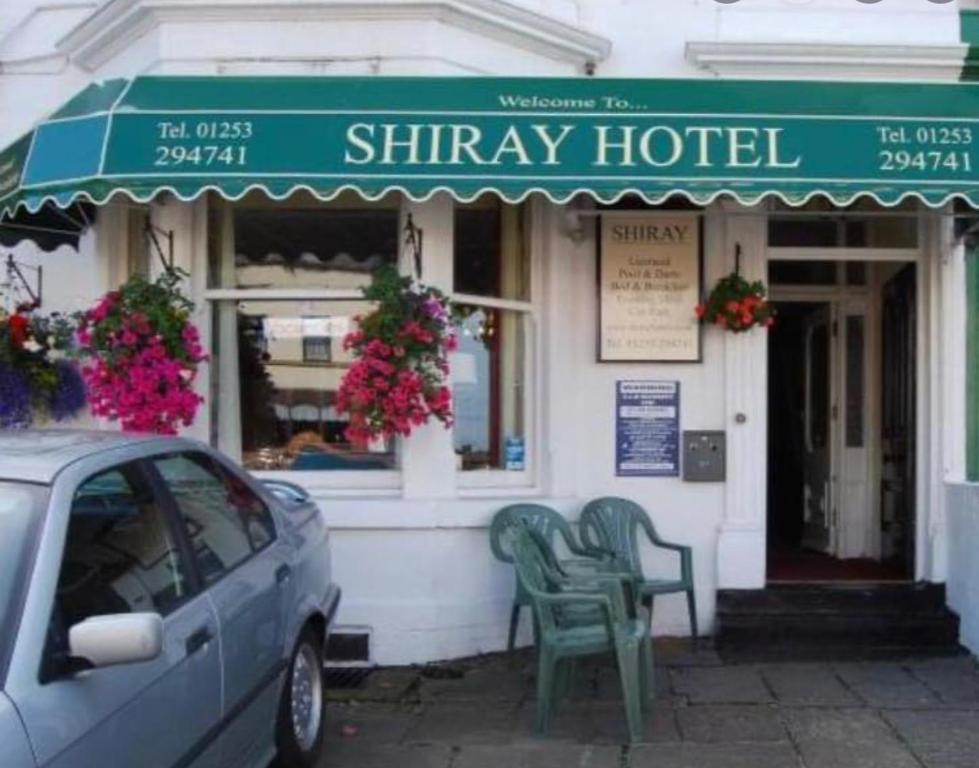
(198, 640)
(282, 574)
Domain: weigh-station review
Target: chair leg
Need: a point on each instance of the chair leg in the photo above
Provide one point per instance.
(562, 682)
(514, 622)
(546, 664)
(648, 690)
(628, 656)
(692, 609)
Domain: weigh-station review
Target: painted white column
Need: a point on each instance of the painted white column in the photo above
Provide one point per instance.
(946, 303)
(188, 223)
(566, 249)
(741, 537)
(427, 456)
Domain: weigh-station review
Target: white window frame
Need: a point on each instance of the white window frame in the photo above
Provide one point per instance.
(477, 482)
(374, 482)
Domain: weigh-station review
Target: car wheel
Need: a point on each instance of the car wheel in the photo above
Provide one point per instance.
(302, 709)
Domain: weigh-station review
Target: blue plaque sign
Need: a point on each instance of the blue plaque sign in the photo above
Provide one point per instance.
(647, 428)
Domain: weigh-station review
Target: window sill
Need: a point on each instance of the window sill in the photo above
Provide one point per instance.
(339, 482)
(501, 492)
(494, 480)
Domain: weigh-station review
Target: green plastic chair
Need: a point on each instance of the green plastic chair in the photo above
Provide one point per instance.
(549, 524)
(612, 525)
(560, 643)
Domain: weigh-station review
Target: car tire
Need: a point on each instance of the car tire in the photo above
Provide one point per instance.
(302, 709)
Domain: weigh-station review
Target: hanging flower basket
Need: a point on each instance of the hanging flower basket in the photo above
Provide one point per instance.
(737, 305)
(142, 355)
(399, 379)
(37, 379)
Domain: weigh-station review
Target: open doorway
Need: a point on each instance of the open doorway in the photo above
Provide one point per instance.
(841, 422)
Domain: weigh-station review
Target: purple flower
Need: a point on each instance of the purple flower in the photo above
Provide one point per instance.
(435, 309)
(15, 398)
(68, 397)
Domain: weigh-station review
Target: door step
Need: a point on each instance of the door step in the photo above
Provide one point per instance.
(839, 622)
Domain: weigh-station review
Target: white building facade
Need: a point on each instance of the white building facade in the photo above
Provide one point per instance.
(878, 440)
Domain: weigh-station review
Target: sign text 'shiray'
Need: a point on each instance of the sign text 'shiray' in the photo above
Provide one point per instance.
(622, 146)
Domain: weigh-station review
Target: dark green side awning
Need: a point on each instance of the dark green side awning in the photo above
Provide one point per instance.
(513, 137)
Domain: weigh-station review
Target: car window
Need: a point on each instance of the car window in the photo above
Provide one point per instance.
(119, 555)
(22, 510)
(226, 522)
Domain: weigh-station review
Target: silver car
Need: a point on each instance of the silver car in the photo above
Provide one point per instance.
(158, 607)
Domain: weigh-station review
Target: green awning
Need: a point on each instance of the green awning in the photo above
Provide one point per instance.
(511, 136)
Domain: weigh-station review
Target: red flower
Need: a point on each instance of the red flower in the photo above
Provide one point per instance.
(700, 310)
(19, 325)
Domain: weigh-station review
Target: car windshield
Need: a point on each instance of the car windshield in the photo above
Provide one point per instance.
(21, 507)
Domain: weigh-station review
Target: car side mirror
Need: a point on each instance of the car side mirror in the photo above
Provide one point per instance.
(286, 491)
(121, 638)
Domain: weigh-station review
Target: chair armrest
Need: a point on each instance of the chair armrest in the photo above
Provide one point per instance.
(669, 545)
(585, 563)
(686, 558)
(608, 591)
(684, 550)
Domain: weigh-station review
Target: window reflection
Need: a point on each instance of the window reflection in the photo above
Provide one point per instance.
(487, 383)
(290, 361)
(310, 248)
(119, 555)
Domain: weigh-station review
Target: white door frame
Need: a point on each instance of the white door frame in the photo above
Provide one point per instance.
(741, 545)
(924, 370)
(850, 537)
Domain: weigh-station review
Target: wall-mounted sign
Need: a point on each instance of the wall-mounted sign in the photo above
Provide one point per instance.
(649, 273)
(647, 428)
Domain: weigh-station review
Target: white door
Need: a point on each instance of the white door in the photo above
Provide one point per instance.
(854, 534)
(818, 487)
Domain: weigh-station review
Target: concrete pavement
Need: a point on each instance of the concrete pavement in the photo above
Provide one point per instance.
(479, 714)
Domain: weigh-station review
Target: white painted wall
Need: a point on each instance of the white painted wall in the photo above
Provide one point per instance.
(413, 559)
(963, 564)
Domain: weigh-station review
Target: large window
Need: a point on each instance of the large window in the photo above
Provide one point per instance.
(285, 286)
(491, 281)
(285, 282)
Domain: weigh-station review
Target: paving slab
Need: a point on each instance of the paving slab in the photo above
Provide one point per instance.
(885, 684)
(730, 723)
(807, 684)
(688, 755)
(368, 756)
(685, 652)
(608, 684)
(540, 756)
(390, 684)
(498, 680)
(954, 680)
(720, 685)
(595, 723)
(846, 738)
(369, 723)
(608, 724)
(941, 739)
(571, 723)
(464, 723)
